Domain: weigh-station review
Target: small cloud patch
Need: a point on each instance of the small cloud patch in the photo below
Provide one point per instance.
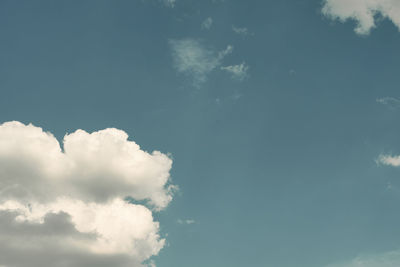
(195, 59)
(391, 102)
(364, 12)
(207, 23)
(238, 72)
(187, 222)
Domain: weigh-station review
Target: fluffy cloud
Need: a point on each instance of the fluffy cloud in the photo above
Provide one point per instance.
(388, 259)
(364, 12)
(238, 72)
(192, 57)
(65, 206)
(389, 160)
(94, 167)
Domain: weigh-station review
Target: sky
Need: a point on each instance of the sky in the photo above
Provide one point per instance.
(183, 133)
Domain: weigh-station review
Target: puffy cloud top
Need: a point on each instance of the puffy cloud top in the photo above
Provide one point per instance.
(70, 200)
(389, 160)
(363, 12)
(95, 167)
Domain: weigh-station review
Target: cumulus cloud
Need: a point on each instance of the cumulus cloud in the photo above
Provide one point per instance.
(388, 259)
(192, 57)
(207, 23)
(238, 72)
(363, 12)
(389, 160)
(64, 206)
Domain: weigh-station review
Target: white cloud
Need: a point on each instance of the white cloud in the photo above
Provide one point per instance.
(189, 221)
(207, 23)
(238, 72)
(240, 30)
(364, 12)
(192, 57)
(170, 3)
(94, 167)
(389, 101)
(389, 160)
(70, 201)
(228, 50)
(388, 259)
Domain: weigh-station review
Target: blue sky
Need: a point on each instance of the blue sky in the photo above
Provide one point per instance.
(280, 117)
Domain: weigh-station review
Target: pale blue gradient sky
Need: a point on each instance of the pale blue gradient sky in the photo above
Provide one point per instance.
(277, 169)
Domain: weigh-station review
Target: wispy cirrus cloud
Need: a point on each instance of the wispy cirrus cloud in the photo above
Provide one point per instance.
(239, 72)
(193, 58)
(388, 259)
(188, 221)
(391, 102)
(243, 31)
(363, 12)
(207, 23)
(170, 3)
